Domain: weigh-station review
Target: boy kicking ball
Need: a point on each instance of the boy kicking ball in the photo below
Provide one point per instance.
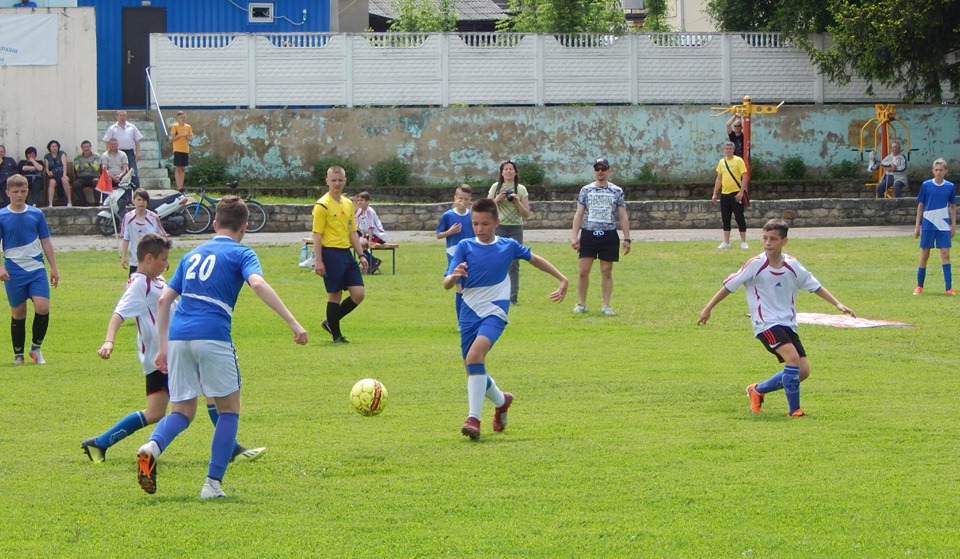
(481, 264)
(772, 280)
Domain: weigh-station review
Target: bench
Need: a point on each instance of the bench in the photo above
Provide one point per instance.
(392, 247)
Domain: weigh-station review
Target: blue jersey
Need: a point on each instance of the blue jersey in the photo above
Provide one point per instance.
(936, 200)
(447, 220)
(209, 279)
(20, 233)
(486, 289)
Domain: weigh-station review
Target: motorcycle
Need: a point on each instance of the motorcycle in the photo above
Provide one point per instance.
(169, 208)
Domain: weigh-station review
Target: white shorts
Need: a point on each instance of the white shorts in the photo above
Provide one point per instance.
(207, 367)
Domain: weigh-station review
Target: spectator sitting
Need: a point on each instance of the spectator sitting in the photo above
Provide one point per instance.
(369, 229)
(86, 165)
(33, 171)
(55, 169)
(116, 163)
(894, 173)
(8, 168)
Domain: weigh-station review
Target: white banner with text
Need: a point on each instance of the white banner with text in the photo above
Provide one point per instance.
(28, 40)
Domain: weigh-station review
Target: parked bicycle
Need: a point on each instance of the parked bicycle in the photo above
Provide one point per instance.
(200, 213)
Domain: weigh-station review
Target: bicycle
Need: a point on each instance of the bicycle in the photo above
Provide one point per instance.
(200, 213)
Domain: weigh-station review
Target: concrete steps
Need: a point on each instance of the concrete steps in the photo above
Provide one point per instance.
(153, 176)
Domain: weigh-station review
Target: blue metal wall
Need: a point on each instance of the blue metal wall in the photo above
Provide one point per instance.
(191, 16)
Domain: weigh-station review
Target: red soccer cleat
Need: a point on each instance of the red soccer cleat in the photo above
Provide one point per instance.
(500, 414)
(471, 428)
(756, 398)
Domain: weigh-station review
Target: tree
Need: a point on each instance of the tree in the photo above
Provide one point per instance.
(911, 45)
(424, 16)
(565, 16)
(655, 18)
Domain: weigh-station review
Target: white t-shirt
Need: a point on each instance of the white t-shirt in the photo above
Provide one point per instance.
(771, 292)
(139, 301)
(133, 229)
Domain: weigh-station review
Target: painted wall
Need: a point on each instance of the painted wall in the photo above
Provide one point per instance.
(43, 103)
(465, 144)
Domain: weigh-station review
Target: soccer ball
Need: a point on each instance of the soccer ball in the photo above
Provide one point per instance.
(368, 397)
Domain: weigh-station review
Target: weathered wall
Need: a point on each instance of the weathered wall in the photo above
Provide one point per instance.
(448, 145)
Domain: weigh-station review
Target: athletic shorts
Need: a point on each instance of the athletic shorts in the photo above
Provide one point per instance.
(26, 285)
(934, 238)
(489, 327)
(779, 335)
(181, 159)
(156, 381)
(207, 367)
(342, 270)
(603, 245)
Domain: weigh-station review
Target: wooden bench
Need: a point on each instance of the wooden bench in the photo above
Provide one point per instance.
(392, 247)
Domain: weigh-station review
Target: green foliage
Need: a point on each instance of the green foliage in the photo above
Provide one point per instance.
(758, 169)
(392, 172)
(424, 16)
(646, 175)
(210, 170)
(565, 16)
(530, 171)
(793, 168)
(845, 170)
(787, 16)
(655, 20)
(319, 173)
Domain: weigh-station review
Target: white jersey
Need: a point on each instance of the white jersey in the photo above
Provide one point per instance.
(139, 301)
(133, 229)
(772, 292)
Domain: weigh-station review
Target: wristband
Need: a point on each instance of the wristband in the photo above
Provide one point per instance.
(627, 240)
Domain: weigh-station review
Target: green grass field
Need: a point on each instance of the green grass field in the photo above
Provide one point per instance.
(630, 436)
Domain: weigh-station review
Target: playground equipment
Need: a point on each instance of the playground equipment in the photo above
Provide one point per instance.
(745, 110)
(885, 125)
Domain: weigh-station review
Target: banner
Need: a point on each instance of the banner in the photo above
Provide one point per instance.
(28, 40)
(843, 321)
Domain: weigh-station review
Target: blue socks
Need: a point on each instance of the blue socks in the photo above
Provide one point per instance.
(791, 387)
(133, 422)
(168, 428)
(947, 276)
(212, 412)
(773, 383)
(921, 276)
(224, 440)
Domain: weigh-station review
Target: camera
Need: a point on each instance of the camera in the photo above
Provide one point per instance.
(510, 195)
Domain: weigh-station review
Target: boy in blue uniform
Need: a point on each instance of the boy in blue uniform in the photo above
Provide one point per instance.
(482, 264)
(26, 242)
(455, 225)
(936, 223)
(139, 302)
(202, 358)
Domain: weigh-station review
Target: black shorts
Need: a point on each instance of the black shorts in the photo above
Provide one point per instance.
(604, 245)
(156, 381)
(779, 335)
(181, 159)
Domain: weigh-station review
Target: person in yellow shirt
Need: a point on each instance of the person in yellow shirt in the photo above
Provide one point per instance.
(181, 133)
(729, 190)
(334, 233)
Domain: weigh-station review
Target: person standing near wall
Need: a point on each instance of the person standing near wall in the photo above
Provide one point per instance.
(513, 206)
(735, 134)
(128, 138)
(181, 134)
(729, 190)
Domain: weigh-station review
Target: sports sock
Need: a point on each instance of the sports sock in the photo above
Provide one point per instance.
(224, 441)
(125, 427)
(791, 386)
(773, 383)
(212, 412)
(476, 387)
(18, 334)
(168, 428)
(333, 319)
(458, 303)
(40, 322)
(493, 393)
(347, 306)
(921, 275)
(947, 276)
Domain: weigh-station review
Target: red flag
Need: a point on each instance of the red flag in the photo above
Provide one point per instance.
(105, 184)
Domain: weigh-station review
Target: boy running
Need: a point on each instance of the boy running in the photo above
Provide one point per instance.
(482, 265)
(936, 223)
(135, 225)
(26, 242)
(454, 226)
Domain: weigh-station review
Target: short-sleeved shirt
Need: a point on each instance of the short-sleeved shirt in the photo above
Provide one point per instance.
(87, 165)
(126, 136)
(334, 221)
(737, 167)
(209, 279)
(600, 205)
(486, 289)
(367, 220)
(114, 163)
(771, 291)
(20, 234)
(133, 229)
(447, 220)
(181, 145)
(936, 200)
(737, 140)
(506, 210)
(139, 301)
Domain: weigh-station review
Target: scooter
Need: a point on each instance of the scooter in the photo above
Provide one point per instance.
(170, 209)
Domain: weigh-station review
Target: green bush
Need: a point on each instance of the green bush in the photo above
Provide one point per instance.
(211, 170)
(392, 172)
(646, 175)
(530, 171)
(319, 173)
(794, 168)
(758, 169)
(844, 170)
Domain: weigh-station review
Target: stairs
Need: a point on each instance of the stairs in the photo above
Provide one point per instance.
(153, 174)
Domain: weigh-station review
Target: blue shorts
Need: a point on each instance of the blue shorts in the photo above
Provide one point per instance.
(342, 270)
(934, 238)
(489, 327)
(26, 285)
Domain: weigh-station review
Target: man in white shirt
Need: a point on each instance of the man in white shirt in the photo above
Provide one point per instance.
(128, 140)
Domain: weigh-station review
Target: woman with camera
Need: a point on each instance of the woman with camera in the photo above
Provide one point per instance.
(513, 205)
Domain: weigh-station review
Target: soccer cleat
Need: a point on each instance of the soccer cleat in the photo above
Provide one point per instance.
(212, 491)
(951, 293)
(18, 360)
(500, 414)
(918, 290)
(744, 245)
(308, 263)
(723, 246)
(241, 454)
(796, 413)
(471, 428)
(579, 309)
(606, 311)
(147, 470)
(341, 340)
(94, 452)
(37, 356)
(756, 398)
